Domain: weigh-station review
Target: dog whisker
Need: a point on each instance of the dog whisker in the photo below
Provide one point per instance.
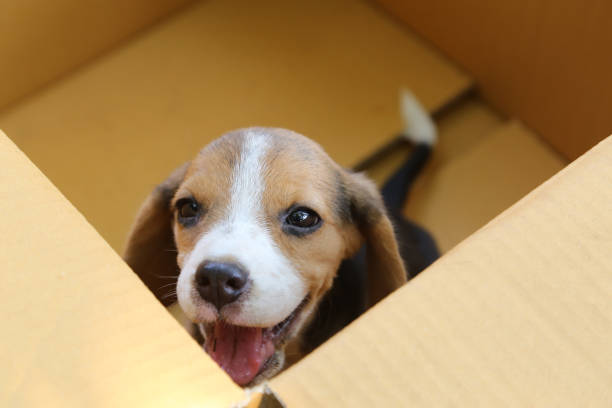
(166, 285)
(169, 294)
(166, 276)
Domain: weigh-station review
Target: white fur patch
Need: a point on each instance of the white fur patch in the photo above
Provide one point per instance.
(418, 125)
(276, 288)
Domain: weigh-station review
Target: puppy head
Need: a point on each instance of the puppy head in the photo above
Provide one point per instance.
(261, 220)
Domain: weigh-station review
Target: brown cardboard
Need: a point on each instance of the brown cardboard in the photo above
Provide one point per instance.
(461, 128)
(545, 62)
(516, 315)
(111, 131)
(480, 166)
(79, 328)
(463, 192)
(41, 40)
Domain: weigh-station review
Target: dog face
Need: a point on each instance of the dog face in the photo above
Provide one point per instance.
(260, 220)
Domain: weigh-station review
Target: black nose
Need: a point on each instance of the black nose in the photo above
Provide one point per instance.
(220, 283)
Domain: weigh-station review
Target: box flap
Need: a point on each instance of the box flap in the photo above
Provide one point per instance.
(41, 40)
(79, 328)
(518, 314)
(136, 113)
(544, 62)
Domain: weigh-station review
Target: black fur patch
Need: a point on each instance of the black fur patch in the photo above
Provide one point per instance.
(342, 201)
(344, 302)
(356, 204)
(166, 190)
(365, 210)
(166, 193)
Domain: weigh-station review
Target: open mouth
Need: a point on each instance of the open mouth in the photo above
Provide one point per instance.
(243, 352)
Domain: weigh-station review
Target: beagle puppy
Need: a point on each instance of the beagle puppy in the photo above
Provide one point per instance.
(265, 233)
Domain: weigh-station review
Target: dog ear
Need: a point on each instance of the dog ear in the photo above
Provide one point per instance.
(150, 250)
(385, 267)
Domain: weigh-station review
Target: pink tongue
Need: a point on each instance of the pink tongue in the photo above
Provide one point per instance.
(240, 351)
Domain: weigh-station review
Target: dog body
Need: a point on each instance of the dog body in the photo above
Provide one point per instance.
(261, 225)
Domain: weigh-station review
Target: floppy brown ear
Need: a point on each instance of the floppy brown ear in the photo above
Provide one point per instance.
(386, 270)
(150, 250)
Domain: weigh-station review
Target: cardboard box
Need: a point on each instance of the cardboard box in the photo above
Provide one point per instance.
(518, 314)
(43, 41)
(543, 61)
(136, 113)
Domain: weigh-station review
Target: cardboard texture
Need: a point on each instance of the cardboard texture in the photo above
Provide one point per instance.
(461, 127)
(459, 195)
(516, 315)
(111, 131)
(79, 328)
(546, 62)
(41, 40)
(481, 165)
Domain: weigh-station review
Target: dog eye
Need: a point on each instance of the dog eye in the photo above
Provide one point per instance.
(303, 218)
(188, 211)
